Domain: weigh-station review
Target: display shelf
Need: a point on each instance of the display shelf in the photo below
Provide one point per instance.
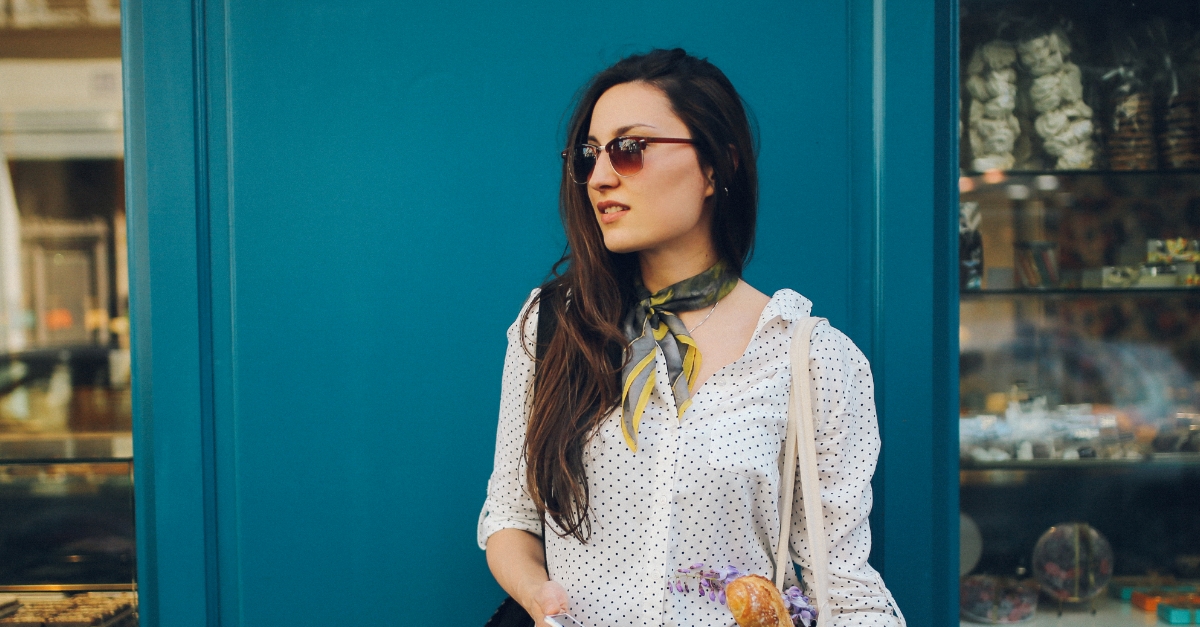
(1156, 460)
(46, 461)
(973, 174)
(1083, 291)
(57, 448)
(1109, 613)
(82, 42)
(72, 588)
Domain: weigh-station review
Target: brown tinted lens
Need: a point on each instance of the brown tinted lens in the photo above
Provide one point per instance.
(581, 162)
(626, 155)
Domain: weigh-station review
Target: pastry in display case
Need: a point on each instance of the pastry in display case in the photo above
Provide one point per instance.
(86, 610)
(1079, 365)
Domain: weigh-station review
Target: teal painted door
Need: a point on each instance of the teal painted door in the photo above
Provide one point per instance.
(336, 209)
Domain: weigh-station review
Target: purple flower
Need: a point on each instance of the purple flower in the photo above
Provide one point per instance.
(800, 606)
(728, 573)
(710, 582)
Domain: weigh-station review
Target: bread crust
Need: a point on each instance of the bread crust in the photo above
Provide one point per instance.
(755, 602)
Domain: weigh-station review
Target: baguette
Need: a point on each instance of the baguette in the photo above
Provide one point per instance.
(755, 602)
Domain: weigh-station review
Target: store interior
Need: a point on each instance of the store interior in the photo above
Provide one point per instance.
(1079, 329)
(67, 543)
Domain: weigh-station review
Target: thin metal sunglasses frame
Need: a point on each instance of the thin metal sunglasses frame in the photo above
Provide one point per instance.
(611, 147)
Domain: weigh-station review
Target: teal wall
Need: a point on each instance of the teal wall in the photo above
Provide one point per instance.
(336, 209)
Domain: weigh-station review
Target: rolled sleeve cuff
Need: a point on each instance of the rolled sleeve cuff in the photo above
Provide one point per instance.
(491, 521)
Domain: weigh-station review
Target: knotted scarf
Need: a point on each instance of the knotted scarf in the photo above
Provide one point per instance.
(652, 321)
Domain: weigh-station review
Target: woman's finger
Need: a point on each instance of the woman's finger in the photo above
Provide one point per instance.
(553, 599)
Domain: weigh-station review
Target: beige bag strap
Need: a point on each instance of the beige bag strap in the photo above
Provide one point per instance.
(800, 447)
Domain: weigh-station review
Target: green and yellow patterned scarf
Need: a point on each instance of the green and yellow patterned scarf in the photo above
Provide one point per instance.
(652, 321)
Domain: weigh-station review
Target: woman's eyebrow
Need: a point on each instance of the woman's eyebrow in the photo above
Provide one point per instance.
(624, 129)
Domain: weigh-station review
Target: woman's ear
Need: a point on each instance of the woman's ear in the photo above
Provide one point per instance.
(709, 176)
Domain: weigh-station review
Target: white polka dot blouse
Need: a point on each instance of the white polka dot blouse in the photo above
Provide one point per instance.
(705, 487)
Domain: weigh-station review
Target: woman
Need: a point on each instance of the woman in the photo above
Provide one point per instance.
(652, 438)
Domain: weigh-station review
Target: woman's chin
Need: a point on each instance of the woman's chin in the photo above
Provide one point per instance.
(620, 245)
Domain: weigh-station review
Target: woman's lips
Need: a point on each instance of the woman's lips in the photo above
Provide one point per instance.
(611, 212)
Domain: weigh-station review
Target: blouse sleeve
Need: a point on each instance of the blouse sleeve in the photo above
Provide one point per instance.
(847, 448)
(508, 505)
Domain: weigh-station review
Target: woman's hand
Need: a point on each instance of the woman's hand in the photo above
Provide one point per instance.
(546, 599)
(518, 562)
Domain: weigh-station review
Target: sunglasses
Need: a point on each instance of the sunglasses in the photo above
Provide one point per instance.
(624, 155)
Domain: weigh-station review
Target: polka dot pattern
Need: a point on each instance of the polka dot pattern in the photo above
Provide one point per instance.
(705, 488)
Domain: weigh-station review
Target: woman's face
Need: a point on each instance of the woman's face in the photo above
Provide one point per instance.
(663, 205)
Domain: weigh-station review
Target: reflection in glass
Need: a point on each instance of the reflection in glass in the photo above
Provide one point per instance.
(67, 367)
(67, 542)
(67, 524)
(1079, 267)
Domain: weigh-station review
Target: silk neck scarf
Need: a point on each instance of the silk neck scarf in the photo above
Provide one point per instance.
(652, 321)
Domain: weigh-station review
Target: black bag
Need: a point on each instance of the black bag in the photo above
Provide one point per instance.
(510, 613)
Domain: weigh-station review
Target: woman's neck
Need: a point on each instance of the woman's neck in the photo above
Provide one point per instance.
(661, 268)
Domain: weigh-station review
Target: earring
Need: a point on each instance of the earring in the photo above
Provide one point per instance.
(726, 191)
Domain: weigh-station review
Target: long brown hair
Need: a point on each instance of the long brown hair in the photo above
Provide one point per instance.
(578, 378)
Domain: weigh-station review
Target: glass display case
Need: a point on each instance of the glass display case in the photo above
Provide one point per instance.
(1079, 260)
(67, 550)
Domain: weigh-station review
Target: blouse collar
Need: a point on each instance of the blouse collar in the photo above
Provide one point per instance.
(785, 304)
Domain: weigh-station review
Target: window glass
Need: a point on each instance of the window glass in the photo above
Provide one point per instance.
(1079, 249)
(66, 473)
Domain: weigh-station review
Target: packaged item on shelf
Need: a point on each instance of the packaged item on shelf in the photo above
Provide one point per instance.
(1130, 136)
(1037, 264)
(985, 438)
(1073, 562)
(1158, 275)
(1149, 598)
(970, 247)
(1179, 610)
(1119, 276)
(1064, 121)
(1176, 250)
(1181, 437)
(1156, 251)
(1130, 142)
(78, 611)
(997, 600)
(1178, 141)
(1171, 47)
(1122, 588)
(992, 83)
(1029, 431)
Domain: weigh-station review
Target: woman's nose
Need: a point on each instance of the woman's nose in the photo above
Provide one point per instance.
(603, 176)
